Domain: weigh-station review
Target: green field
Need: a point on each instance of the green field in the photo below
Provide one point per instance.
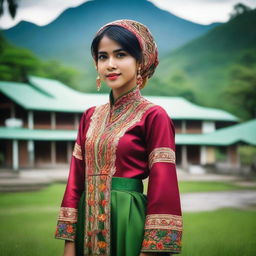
(205, 186)
(28, 223)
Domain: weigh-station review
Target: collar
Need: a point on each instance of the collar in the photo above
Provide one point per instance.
(129, 96)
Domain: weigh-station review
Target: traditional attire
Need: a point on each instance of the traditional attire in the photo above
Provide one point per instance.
(104, 209)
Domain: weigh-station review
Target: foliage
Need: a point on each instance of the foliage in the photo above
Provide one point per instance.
(54, 69)
(247, 154)
(241, 91)
(239, 9)
(208, 64)
(221, 154)
(17, 63)
(214, 70)
(177, 84)
(12, 7)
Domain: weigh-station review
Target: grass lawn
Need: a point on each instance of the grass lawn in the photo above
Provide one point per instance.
(28, 223)
(205, 186)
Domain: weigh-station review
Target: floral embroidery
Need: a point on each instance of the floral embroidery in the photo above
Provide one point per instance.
(162, 154)
(77, 152)
(65, 230)
(108, 125)
(68, 214)
(163, 221)
(162, 240)
(163, 232)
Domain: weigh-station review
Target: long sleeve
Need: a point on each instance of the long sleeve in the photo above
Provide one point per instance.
(163, 225)
(66, 224)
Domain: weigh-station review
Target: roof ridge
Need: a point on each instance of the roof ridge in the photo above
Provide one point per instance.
(40, 90)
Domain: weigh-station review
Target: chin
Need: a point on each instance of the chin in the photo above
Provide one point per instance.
(114, 86)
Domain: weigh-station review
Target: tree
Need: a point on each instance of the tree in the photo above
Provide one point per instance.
(180, 86)
(17, 63)
(239, 9)
(12, 7)
(242, 91)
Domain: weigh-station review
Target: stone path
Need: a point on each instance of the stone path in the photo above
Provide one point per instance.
(202, 201)
(190, 202)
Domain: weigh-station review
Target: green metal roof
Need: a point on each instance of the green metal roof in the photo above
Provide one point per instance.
(38, 134)
(51, 95)
(180, 108)
(244, 132)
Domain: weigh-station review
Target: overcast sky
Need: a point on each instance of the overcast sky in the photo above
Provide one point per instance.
(42, 12)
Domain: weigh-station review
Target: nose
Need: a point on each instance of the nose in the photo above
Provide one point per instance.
(111, 63)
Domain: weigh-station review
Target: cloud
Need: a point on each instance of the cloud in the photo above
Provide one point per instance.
(42, 12)
(201, 11)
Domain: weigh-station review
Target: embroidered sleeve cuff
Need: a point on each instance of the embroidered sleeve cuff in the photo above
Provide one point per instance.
(163, 233)
(164, 154)
(66, 226)
(65, 230)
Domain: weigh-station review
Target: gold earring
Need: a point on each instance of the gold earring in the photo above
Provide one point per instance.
(98, 83)
(139, 78)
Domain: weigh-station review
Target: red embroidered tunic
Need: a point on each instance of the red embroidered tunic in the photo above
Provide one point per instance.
(130, 138)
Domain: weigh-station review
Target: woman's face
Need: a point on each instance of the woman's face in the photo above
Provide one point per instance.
(116, 67)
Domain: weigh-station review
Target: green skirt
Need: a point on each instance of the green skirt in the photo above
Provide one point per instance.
(128, 213)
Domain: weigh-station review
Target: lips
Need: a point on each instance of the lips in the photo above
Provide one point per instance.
(113, 76)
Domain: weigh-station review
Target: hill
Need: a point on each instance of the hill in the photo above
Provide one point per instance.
(205, 65)
(17, 63)
(68, 38)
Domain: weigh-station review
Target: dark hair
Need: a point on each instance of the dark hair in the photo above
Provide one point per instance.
(122, 36)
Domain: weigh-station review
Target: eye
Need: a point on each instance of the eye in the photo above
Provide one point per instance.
(121, 54)
(101, 56)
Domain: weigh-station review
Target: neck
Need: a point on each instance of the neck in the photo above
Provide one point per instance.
(117, 93)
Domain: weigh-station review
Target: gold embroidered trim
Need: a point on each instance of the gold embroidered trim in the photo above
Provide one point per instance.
(163, 221)
(77, 152)
(163, 154)
(68, 214)
(107, 126)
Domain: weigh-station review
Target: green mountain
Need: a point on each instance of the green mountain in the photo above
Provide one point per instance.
(216, 69)
(205, 67)
(69, 36)
(17, 63)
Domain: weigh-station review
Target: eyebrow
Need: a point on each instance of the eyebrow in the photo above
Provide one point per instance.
(117, 50)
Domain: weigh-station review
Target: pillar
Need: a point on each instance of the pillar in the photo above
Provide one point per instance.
(184, 157)
(15, 155)
(53, 120)
(31, 153)
(203, 155)
(30, 120)
(53, 152)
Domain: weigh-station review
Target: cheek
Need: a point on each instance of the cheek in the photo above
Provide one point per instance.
(130, 66)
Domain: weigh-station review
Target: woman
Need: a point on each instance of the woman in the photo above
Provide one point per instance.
(120, 143)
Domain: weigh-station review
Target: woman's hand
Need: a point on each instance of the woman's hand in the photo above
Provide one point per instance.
(69, 249)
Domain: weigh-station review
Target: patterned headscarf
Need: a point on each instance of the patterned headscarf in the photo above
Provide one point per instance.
(147, 44)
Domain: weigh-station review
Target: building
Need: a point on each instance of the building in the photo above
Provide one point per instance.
(39, 121)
